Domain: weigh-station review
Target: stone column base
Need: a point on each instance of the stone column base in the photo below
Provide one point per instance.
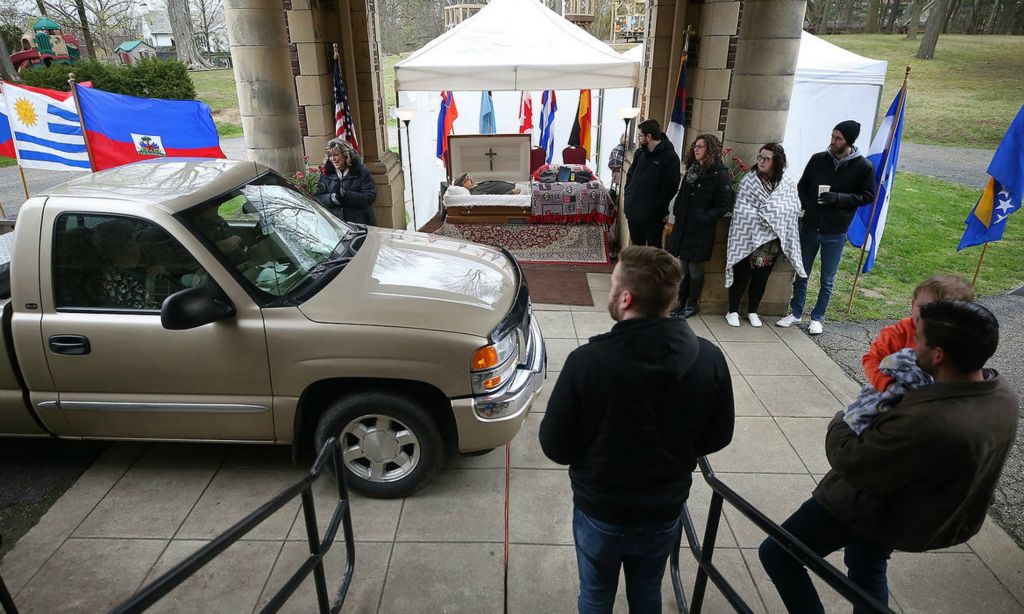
(390, 205)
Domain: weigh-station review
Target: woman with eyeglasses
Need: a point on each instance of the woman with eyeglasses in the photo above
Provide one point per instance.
(346, 187)
(765, 224)
(705, 195)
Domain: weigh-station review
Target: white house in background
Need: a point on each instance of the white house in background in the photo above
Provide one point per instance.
(156, 29)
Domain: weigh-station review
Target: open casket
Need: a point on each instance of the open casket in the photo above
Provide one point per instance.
(504, 157)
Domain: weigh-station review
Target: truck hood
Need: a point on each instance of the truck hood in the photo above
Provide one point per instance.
(415, 280)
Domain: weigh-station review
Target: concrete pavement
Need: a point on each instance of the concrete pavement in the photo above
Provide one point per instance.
(142, 507)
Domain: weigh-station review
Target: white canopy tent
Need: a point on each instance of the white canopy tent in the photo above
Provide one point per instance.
(509, 46)
(831, 85)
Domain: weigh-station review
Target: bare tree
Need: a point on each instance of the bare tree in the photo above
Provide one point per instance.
(826, 10)
(871, 18)
(184, 35)
(208, 23)
(915, 19)
(42, 7)
(6, 65)
(86, 31)
(931, 32)
(107, 20)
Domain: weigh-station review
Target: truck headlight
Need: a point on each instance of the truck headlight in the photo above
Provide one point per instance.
(493, 364)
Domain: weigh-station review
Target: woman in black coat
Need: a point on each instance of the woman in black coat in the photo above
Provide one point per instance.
(705, 195)
(346, 186)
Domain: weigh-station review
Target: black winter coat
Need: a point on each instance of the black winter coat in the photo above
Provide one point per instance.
(652, 179)
(631, 412)
(698, 208)
(357, 193)
(853, 180)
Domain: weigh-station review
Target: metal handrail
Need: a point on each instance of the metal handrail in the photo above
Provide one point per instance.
(706, 570)
(318, 548)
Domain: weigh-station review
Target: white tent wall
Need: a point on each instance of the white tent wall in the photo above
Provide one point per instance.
(831, 85)
(428, 172)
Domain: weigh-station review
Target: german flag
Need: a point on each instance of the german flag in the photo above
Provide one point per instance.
(580, 135)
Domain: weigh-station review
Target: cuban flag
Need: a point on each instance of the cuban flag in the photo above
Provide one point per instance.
(124, 129)
(43, 129)
(1004, 192)
(869, 222)
(676, 131)
(547, 117)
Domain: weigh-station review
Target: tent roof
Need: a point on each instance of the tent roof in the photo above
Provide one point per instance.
(514, 45)
(824, 62)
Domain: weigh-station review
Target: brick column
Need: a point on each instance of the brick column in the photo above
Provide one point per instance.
(266, 99)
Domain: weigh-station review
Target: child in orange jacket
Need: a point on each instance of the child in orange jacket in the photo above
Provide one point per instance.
(900, 335)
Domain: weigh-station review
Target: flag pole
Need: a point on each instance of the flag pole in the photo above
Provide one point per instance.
(24, 184)
(81, 120)
(978, 268)
(874, 205)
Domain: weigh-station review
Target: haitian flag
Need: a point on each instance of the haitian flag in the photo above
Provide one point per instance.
(445, 120)
(1003, 193)
(123, 129)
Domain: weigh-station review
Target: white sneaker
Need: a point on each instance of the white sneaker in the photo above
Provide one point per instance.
(787, 321)
(732, 319)
(815, 328)
(754, 320)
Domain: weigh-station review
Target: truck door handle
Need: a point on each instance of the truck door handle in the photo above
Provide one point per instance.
(72, 345)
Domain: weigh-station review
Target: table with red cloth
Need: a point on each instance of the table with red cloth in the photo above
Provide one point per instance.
(569, 202)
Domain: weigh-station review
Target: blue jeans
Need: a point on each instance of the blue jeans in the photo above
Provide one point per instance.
(603, 548)
(866, 562)
(831, 247)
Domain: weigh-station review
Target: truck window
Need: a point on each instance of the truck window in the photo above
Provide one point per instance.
(118, 263)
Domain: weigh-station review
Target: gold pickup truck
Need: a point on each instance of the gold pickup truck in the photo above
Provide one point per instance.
(209, 300)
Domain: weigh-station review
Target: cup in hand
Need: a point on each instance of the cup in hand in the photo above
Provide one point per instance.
(824, 188)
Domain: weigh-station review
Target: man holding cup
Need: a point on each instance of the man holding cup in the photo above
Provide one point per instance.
(835, 183)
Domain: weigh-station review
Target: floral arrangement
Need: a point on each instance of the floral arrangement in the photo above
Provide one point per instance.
(737, 167)
(306, 180)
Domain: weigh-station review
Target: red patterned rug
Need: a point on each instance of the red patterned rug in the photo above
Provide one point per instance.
(538, 243)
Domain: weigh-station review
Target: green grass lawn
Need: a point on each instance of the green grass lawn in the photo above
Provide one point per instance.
(4, 162)
(387, 81)
(965, 97)
(217, 89)
(925, 223)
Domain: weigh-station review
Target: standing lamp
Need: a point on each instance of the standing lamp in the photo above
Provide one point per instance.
(405, 115)
(628, 114)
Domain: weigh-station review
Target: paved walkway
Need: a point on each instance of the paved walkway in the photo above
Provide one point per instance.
(142, 507)
(961, 165)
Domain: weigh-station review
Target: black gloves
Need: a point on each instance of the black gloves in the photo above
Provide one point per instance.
(828, 198)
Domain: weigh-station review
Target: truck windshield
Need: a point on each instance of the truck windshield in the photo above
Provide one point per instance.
(277, 238)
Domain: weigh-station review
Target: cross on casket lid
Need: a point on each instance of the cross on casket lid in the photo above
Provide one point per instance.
(490, 156)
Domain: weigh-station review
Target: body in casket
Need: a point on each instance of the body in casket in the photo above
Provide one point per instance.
(487, 157)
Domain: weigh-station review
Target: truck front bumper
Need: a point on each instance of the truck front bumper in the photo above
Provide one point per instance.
(490, 421)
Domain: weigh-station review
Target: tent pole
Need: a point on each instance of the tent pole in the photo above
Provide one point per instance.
(600, 124)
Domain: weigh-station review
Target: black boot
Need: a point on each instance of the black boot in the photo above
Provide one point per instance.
(692, 307)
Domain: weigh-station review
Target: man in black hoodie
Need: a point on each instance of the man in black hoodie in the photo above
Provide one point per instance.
(651, 183)
(835, 183)
(630, 413)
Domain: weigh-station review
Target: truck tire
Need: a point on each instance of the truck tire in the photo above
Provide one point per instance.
(390, 447)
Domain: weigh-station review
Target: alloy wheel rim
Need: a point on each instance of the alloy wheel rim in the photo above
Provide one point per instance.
(379, 448)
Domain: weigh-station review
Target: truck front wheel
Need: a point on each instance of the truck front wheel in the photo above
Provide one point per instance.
(389, 445)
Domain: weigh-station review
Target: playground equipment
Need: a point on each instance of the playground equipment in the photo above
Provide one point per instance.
(44, 45)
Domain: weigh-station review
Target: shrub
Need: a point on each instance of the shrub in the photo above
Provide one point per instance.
(148, 78)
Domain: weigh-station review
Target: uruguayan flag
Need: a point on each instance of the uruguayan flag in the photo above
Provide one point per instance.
(869, 223)
(47, 131)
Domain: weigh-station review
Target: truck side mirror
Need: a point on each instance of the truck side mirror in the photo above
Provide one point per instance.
(194, 307)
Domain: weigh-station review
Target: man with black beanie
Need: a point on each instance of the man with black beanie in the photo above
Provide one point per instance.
(835, 183)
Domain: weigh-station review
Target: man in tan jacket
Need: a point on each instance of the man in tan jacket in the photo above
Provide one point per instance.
(922, 475)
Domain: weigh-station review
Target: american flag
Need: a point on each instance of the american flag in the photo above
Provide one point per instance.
(343, 126)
